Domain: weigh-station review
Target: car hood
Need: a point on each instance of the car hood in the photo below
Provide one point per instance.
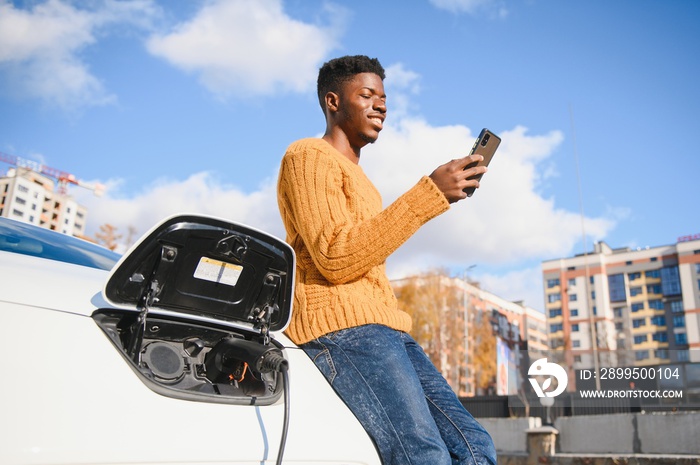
(208, 269)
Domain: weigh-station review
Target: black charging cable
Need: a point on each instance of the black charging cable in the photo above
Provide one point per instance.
(273, 360)
(285, 425)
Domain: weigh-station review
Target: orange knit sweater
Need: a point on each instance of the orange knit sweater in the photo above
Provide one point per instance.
(342, 237)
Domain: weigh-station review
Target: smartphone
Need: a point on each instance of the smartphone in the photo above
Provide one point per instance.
(485, 145)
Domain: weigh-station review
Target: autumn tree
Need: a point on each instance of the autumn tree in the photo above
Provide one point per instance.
(484, 353)
(107, 236)
(435, 306)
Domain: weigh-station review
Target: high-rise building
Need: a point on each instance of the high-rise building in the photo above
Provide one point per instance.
(626, 307)
(28, 196)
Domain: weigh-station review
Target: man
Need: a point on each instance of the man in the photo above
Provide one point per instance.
(345, 313)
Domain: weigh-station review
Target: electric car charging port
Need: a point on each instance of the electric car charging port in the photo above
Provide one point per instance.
(193, 361)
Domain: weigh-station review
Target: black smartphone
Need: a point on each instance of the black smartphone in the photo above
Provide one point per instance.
(485, 145)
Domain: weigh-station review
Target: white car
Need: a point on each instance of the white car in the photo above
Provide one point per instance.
(170, 354)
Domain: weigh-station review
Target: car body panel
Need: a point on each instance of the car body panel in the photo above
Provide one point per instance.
(69, 396)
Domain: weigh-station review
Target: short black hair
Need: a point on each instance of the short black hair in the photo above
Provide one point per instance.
(335, 72)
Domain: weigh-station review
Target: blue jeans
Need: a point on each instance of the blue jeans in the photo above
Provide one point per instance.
(399, 397)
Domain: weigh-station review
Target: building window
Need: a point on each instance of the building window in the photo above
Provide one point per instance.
(633, 276)
(573, 298)
(635, 290)
(554, 297)
(636, 307)
(681, 338)
(575, 344)
(574, 328)
(554, 312)
(676, 306)
(661, 353)
(654, 289)
(656, 304)
(679, 321)
(618, 326)
(552, 283)
(640, 339)
(639, 322)
(573, 312)
(572, 282)
(683, 355)
(616, 283)
(641, 354)
(556, 328)
(652, 274)
(660, 337)
(617, 312)
(659, 320)
(670, 281)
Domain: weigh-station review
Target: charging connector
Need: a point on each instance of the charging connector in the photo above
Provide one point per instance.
(229, 353)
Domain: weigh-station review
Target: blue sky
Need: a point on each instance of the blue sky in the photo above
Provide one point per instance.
(189, 106)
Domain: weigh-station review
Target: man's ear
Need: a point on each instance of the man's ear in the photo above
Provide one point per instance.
(332, 101)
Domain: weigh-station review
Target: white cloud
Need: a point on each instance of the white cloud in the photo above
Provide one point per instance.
(244, 47)
(470, 6)
(523, 284)
(507, 221)
(40, 48)
(201, 193)
(401, 83)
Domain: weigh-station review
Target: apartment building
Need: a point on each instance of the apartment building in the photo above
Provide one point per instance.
(626, 307)
(28, 196)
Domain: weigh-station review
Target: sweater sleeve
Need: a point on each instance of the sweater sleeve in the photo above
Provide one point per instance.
(343, 249)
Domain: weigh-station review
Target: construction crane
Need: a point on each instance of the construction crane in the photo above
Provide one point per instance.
(62, 177)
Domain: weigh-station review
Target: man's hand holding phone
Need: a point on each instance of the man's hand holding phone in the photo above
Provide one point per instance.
(485, 145)
(458, 179)
(453, 178)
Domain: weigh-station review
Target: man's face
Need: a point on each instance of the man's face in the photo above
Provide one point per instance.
(362, 109)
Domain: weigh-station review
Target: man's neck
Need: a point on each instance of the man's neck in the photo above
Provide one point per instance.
(342, 145)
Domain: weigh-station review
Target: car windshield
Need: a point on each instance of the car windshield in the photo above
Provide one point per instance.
(27, 239)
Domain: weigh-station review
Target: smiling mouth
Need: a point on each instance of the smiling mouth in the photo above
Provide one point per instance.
(378, 122)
